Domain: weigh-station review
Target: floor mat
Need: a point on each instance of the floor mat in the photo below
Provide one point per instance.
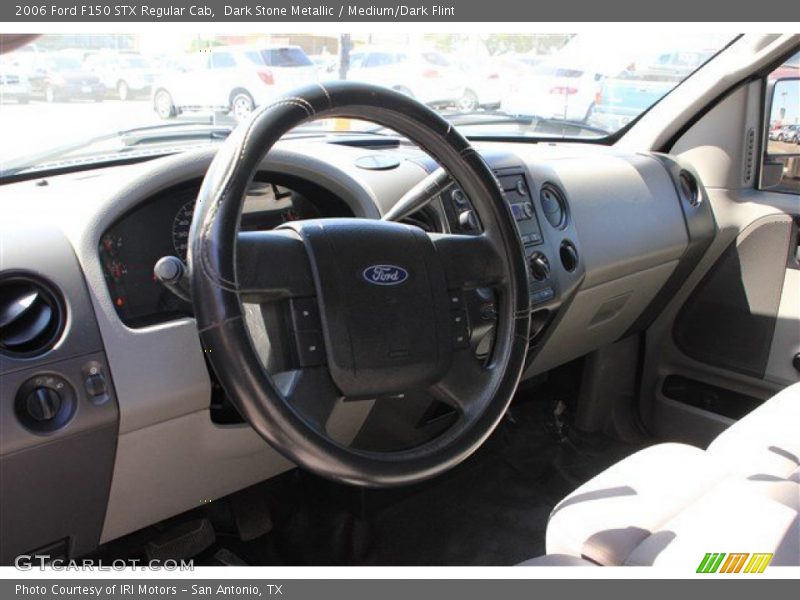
(490, 510)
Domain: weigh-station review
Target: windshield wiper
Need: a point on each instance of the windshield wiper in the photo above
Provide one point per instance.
(129, 138)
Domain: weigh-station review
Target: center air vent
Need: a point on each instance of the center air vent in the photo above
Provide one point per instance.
(553, 205)
(31, 316)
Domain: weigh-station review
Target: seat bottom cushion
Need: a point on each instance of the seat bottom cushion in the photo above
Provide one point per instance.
(765, 444)
(605, 519)
(739, 515)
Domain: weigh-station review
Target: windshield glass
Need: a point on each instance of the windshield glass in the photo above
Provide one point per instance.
(98, 97)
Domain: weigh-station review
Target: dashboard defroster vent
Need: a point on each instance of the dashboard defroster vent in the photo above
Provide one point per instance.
(32, 316)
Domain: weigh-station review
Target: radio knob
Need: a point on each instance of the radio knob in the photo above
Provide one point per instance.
(468, 221)
(527, 208)
(539, 266)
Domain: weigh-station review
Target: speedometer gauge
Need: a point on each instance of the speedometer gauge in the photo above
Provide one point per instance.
(180, 229)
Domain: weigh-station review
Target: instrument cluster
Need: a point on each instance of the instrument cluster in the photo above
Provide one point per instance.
(130, 248)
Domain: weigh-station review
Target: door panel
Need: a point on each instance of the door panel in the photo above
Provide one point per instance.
(730, 318)
(727, 339)
(786, 340)
(733, 329)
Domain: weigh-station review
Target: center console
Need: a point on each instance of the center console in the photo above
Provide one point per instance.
(541, 213)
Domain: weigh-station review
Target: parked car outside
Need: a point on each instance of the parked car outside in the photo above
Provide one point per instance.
(326, 64)
(14, 84)
(482, 84)
(674, 65)
(233, 79)
(623, 98)
(126, 75)
(60, 76)
(554, 90)
(426, 75)
(788, 133)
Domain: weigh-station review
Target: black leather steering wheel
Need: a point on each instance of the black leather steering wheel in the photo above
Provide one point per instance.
(387, 294)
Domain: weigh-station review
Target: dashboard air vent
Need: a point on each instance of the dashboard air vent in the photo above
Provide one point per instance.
(31, 316)
(554, 205)
(689, 188)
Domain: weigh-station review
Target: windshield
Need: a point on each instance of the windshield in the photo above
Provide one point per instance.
(87, 97)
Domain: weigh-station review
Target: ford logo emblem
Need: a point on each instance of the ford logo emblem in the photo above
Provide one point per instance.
(385, 275)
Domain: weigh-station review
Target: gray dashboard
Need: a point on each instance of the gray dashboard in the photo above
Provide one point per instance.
(625, 221)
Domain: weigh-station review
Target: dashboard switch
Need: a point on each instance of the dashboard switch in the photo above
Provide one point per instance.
(95, 384)
(542, 295)
(305, 314)
(310, 348)
(459, 198)
(456, 300)
(460, 329)
(527, 208)
(539, 266)
(468, 221)
(43, 404)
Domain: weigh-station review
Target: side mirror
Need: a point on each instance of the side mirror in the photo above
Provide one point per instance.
(782, 126)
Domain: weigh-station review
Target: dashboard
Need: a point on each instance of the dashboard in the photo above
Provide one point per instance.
(603, 233)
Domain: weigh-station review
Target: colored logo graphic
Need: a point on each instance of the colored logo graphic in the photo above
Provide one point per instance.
(385, 274)
(737, 562)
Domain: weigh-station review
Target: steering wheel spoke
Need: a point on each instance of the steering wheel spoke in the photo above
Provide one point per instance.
(469, 261)
(310, 392)
(464, 383)
(272, 266)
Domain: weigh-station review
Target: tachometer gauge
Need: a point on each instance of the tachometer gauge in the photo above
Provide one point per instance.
(180, 229)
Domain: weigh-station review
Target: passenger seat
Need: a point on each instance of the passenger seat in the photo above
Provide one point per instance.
(670, 504)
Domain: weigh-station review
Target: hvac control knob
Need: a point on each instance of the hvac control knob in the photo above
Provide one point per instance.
(539, 266)
(43, 404)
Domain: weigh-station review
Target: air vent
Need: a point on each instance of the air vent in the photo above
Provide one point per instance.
(689, 188)
(554, 205)
(31, 316)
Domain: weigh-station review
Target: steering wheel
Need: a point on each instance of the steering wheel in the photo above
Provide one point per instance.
(384, 299)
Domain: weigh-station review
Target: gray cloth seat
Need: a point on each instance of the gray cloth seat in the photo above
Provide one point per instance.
(672, 503)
